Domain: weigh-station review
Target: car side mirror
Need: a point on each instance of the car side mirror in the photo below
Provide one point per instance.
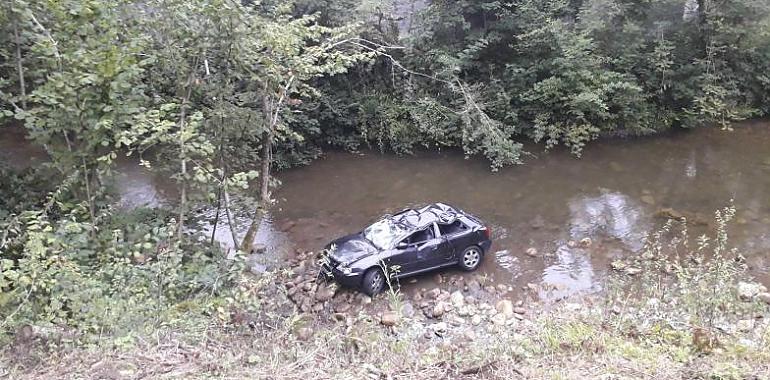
(402, 245)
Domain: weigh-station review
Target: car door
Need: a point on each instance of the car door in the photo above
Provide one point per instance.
(443, 249)
(414, 251)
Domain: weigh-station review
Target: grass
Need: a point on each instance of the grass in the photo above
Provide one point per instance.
(676, 319)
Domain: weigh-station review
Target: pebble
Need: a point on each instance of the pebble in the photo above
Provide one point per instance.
(389, 318)
(433, 293)
(499, 319)
(457, 299)
(439, 329)
(439, 309)
(304, 333)
(504, 307)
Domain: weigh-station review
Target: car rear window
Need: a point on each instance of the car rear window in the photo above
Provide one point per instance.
(452, 228)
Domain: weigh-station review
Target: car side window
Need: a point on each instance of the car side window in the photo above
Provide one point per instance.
(452, 228)
(420, 237)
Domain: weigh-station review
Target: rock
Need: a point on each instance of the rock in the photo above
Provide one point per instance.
(648, 199)
(764, 297)
(342, 307)
(476, 320)
(748, 290)
(304, 333)
(532, 287)
(438, 278)
(537, 223)
(417, 297)
(457, 299)
(586, 242)
(745, 325)
(439, 309)
(669, 213)
(573, 306)
(474, 286)
(340, 317)
(572, 244)
(439, 329)
(499, 319)
(519, 310)
(470, 335)
(389, 318)
(502, 288)
(504, 307)
(256, 268)
(471, 300)
(288, 225)
(366, 300)
(531, 252)
(407, 310)
(258, 248)
(433, 293)
(632, 271)
(325, 293)
(412, 280)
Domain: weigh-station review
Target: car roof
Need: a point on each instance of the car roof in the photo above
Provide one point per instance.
(418, 219)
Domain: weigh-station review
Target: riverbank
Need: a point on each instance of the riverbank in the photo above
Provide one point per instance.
(578, 339)
(286, 325)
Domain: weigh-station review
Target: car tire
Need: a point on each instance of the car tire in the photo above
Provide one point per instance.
(471, 257)
(374, 282)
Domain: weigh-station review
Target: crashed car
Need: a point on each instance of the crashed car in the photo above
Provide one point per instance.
(405, 244)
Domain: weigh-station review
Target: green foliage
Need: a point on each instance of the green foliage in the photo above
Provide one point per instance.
(115, 280)
(684, 283)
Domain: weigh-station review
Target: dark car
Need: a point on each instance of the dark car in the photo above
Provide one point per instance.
(406, 244)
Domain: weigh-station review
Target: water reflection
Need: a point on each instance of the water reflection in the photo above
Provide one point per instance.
(572, 271)
(611, 214)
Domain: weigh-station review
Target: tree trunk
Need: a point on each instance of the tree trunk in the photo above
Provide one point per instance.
(230, 218)
(703, 23)
(20, 67)
(216, 216)
(263, 194)
(183, 152)
(264, 188)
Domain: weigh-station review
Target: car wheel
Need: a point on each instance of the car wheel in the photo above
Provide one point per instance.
(374, 282)
(470, 259)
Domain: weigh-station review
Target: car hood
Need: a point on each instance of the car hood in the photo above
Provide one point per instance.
(351, 248)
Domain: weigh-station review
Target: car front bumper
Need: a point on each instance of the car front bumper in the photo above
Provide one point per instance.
(352, 280)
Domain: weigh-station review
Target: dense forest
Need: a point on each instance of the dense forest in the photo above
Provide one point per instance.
(218, 94)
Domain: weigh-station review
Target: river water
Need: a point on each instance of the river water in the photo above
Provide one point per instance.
(613, 195)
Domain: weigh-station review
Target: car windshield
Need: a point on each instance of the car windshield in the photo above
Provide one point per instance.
(384, 233)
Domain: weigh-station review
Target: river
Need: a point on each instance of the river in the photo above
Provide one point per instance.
(613, 195)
